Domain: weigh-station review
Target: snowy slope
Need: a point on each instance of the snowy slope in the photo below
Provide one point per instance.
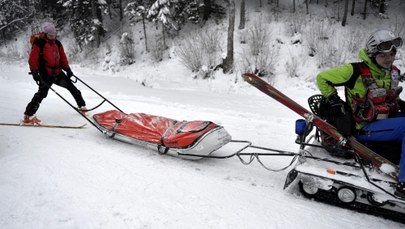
(59, 178)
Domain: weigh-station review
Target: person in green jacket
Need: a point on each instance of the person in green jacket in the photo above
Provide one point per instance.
(372, 93)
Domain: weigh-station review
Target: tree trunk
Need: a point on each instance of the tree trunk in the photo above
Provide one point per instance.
(164, 36)
(121, 10)
(345, 10)
(307, 6)
(242, 15)
(227, 63)
(293, 6)
(144, 32)
(94, 15)
(207, 9)
(365, 9)
(353, 6)
(382, 7)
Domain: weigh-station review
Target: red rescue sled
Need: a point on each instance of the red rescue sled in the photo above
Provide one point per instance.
(167, 135)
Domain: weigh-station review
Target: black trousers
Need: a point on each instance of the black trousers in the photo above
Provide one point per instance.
(46, 81)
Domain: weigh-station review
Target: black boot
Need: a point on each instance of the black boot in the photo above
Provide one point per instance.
(400, 190)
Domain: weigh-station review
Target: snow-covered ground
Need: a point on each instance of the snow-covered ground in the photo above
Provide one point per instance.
(80, 178)
(64, 178)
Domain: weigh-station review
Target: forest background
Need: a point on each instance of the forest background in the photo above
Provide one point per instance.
(204, 35)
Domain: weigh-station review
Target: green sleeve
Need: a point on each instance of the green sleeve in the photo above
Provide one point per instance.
(329, 79)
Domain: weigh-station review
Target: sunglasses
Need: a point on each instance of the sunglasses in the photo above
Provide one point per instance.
(387, 45)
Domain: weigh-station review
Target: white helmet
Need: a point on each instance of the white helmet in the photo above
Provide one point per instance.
(382, 41)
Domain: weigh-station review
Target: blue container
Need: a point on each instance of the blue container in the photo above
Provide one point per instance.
(300, 125)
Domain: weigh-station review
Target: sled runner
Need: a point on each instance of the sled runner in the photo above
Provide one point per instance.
(168, 136)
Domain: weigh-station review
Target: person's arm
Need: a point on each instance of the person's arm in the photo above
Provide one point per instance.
(33, 60)
(63, 59)
(334, 77)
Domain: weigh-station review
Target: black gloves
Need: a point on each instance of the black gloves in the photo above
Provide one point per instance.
(36, 77)
(336, 105)
(69, 72)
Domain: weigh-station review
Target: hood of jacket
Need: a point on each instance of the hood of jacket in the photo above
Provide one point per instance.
(374, 68)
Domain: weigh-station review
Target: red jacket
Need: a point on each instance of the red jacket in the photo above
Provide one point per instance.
(54, 57)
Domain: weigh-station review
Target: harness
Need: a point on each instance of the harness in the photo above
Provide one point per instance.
(378, 102)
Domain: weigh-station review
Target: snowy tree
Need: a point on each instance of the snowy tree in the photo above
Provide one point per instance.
(160, 10)
(86, 21)
(175, 13)
(137, 9)
(14, 16)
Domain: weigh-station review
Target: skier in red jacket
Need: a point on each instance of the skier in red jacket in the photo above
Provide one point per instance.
(46, 61)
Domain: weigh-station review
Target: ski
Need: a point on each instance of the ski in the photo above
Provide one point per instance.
(43, 125)
(364, 152)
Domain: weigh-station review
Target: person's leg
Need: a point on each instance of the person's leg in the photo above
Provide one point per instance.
(391, 129)
(42, 92)
(401, 175)
(65, 82)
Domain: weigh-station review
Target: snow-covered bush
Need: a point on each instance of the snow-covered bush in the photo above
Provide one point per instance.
(316, 34)
(291, 66)
(73, 51)
(329, 47)
(259, 56)
(157, 49)
(399, 27)
(108, 64)
(295, 23)
(200, 50)
(190, 54)
(354, 40)
(127, 49)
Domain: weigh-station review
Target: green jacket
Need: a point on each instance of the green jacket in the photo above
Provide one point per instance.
(349, 76)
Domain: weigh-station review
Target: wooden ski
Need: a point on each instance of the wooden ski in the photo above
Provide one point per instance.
(43, 125)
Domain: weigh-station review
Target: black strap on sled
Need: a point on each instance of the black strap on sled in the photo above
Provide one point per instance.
(162, 149)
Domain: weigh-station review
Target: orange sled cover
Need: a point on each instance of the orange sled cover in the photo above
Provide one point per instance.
(157, 130)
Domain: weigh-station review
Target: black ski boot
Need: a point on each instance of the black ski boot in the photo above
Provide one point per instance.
(400, 189)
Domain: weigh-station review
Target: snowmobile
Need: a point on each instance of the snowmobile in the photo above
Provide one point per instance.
(346, 173)
(336, 175)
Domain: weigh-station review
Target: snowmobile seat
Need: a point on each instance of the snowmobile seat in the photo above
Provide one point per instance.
(314, 103)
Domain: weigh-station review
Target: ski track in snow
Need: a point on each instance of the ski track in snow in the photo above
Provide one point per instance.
(62, 178)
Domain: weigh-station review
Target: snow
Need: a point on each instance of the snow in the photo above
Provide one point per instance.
(69, 178)
(387, 168)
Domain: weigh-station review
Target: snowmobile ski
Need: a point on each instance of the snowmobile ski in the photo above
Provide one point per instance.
(365, 153)
(44, 125)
